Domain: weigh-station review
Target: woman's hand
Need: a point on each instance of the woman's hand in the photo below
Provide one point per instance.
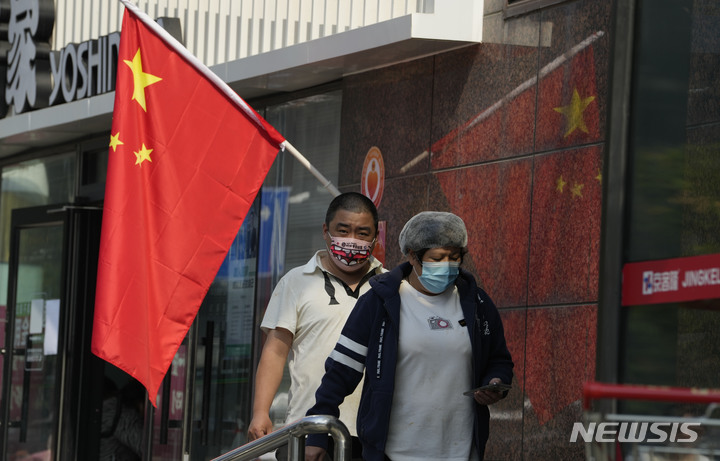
(488, 397)
(314, 453)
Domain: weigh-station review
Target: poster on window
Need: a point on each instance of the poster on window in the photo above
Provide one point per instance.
(273, 229)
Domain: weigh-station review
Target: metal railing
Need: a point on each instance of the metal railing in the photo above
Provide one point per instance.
(294, 436)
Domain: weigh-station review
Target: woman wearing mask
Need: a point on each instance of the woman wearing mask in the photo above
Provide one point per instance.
(424, 335)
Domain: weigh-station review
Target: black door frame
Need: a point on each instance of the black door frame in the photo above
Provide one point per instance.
(78, 394)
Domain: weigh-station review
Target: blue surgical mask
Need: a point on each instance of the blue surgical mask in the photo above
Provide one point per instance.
(438, 276)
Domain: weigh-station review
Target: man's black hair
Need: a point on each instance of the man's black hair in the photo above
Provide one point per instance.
(353, 202)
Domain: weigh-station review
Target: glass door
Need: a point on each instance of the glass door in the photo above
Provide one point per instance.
(52, 386)
(35, 312)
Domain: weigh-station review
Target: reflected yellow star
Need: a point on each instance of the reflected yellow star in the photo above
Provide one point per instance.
(577, 190)
(560, 184)
(140, 79)
(599, 176)
(574, 112)
(142, 155)
(115, 141)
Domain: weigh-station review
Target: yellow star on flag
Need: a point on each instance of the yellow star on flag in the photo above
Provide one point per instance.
(574, 112)
(140, 79)
(115, 141)
(142, 155)
(560, 184)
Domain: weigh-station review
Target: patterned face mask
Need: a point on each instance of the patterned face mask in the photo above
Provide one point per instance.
(348, 253)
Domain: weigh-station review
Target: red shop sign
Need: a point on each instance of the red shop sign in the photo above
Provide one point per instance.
(671, 280)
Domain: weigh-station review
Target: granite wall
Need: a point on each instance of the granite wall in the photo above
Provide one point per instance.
(508, 134)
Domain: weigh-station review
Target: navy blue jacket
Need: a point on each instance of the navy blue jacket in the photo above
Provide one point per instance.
(369, 340)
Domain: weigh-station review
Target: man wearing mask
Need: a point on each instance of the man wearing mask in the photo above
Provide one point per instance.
(308, 310)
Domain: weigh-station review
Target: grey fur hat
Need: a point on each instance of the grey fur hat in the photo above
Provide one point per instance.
(432, 229)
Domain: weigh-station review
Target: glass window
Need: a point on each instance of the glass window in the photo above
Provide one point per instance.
(93, 169)
(312, 125)
(674, 200)
(293, 200)
(35, 356)
(281, 230)
(223, 363)
(32, 183)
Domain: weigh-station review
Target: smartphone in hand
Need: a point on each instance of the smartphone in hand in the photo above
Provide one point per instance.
(495, 387)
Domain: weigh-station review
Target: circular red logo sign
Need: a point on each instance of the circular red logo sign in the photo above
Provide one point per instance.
(372, 181)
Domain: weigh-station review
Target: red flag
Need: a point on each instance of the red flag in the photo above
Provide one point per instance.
(187, 158)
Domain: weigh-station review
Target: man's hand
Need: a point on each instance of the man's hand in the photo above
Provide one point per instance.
(314, 453)
(260, 426)
(488, 397)
(267, 380)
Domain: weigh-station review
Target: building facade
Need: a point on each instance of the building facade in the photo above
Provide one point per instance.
(576, 138)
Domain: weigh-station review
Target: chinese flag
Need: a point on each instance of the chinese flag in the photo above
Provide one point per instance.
(186, 161)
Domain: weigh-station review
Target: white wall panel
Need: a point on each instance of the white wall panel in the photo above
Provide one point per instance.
(225, 30)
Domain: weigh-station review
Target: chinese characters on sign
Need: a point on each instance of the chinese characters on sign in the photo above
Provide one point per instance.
(671, 280)
(26, 67)
(32, 76)
(657, 282)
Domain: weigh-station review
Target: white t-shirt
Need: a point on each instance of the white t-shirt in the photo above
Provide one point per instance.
(430, 417)
(300, 303)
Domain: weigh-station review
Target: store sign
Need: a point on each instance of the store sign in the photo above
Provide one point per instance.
(671, 280)
(24, 53)
(84, 70)
(33, 77)
(372, 180)
(37, 77)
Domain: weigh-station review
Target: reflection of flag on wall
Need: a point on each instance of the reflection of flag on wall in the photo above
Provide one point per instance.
(565, 188)
(565, 227)
(567, 105)
(273, 230)
(506, 124)
(564, 233)
(567, 114)
(187, 158)
(560, 357)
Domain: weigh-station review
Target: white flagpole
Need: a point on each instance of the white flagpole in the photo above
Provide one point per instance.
(223, 87)
(325, 182)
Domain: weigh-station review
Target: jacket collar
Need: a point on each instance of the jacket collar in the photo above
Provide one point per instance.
(386, 285)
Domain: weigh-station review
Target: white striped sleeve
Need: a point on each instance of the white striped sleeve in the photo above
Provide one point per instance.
(352, 345)
(347, 361)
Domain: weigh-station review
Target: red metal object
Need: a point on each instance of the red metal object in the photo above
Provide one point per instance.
(594, 390)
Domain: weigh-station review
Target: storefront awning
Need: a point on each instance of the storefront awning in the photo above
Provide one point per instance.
(283, 70)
